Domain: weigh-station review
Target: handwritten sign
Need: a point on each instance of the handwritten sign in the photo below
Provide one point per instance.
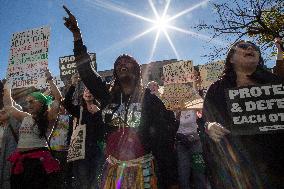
(176, 96)
(67, 66)
(256, 109)
(28, 57)
(57, 81)
(210, 73)
(178, 72)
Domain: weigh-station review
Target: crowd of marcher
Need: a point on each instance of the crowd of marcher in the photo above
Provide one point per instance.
(127, 137)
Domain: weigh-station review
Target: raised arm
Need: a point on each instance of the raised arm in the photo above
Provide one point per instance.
(89, 76)
(54, 108)
(67, 102)
(9, 107)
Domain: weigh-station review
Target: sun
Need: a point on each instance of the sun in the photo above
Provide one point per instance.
(161, 23)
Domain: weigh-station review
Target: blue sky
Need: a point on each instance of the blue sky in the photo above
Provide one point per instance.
(105, 26)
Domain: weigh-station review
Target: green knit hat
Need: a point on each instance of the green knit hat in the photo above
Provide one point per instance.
(44, 99)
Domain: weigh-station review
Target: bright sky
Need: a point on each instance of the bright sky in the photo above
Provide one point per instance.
(113, 27)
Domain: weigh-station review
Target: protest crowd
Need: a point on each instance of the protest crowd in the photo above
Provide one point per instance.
(95, 134)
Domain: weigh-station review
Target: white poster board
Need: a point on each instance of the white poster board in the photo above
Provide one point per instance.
(28, 57)
(57, 81)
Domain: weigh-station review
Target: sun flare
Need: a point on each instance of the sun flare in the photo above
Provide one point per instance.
(161, 23)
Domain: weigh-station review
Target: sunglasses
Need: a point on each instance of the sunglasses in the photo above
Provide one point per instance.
(247, 45)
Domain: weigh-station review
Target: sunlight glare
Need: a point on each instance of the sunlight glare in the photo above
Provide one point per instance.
(125, 42)
(161, 24)
(171, 43)
(154, 46)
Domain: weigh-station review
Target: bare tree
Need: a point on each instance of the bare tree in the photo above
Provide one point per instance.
(263, 20)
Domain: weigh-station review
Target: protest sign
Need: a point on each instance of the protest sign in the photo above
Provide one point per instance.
(178, 72)
(210, 73)
(175, 96)
(57, 81)
(67, 66)
(256, 109)
(196, 104)
(28, 57)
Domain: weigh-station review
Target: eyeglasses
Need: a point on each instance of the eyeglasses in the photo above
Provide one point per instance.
(247, 45)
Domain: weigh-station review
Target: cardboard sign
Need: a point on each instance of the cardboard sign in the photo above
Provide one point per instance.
(194, 104)
(178, 72)
(210, 73)
(256, 109)
(175, 96)
(67, 66)
(28, 57)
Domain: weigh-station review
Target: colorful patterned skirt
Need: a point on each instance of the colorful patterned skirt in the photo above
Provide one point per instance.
(133, 174)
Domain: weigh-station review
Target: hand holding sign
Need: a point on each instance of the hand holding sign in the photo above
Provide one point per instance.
(216, 131)
(71, 23)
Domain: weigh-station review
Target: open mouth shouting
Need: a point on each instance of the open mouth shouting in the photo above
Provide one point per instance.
(123, 69)
(249, 54)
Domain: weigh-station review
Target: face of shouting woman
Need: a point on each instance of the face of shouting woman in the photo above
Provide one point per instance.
(246, 57)
(34, 106)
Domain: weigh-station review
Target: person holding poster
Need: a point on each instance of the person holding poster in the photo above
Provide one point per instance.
(140, 130)
(33, 166)
(240, 161)
(86, 169)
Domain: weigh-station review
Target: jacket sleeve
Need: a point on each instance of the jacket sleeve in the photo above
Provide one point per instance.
(68, 104)
(279, 68)
(88, 75)
(210, 111)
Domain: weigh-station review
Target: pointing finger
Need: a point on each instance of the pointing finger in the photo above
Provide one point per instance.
(67, 10)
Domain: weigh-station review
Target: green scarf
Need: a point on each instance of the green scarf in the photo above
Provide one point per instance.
(44, 99)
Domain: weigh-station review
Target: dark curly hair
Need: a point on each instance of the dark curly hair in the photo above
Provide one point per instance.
(229, 71)
(41, 120)
(116, 90)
